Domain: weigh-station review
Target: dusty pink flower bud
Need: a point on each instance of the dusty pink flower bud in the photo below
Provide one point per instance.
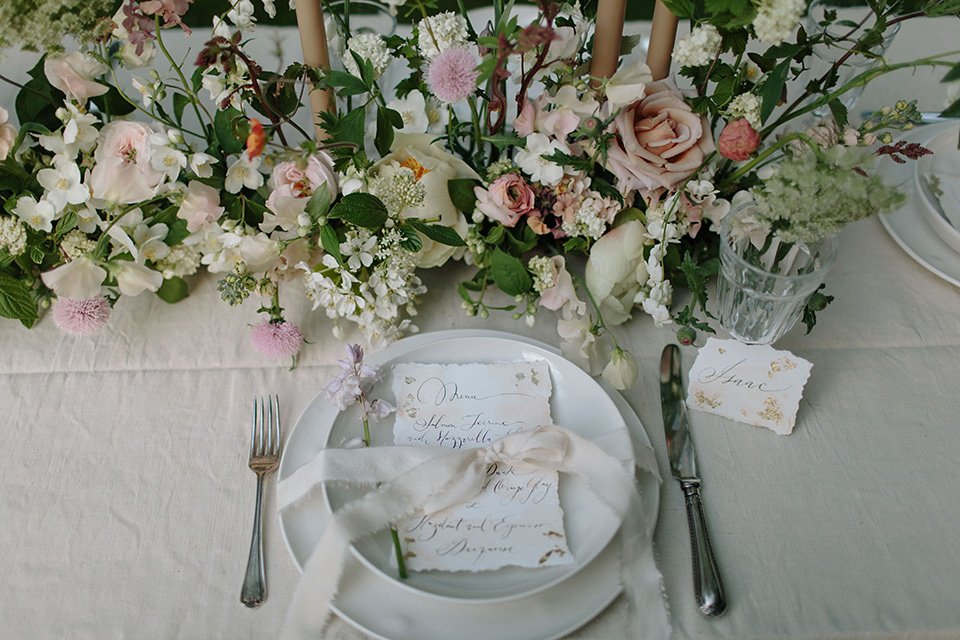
(738, 140)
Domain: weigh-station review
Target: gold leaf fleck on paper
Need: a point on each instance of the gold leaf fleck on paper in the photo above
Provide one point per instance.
(533, 377)
(711, 401)
(783, 364)
(409, 380)
(721, 350)
(520, 376)
(553, 534)
(556, 551)
(408, 555)
(771, 411)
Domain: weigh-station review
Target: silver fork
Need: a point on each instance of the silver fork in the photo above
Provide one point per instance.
(264, 458)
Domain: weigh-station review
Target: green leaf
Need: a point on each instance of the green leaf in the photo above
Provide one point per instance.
(395, 118)
(438, 233)
(681, 8)
(839, 113)
(113, 103)
(411, 239)
(462, 194)
(35, 103)
(384, 137)
(349, 128)
(16, 301)
(953, 111)
(502, 141)
(464, 293)
(180, 103)
(496, 234)
(723, 91)
(953, 75)
(696, 281)
(346, 83)
(509, 273)
(224, 130)
(361, 209)
(330, 242)
(176, 232)
(319, 203)
(173, 290)
(64, 225)
(772, 89)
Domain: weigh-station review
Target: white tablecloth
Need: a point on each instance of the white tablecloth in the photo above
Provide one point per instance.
(126, 501)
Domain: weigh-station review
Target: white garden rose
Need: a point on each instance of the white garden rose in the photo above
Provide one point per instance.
(611, 272)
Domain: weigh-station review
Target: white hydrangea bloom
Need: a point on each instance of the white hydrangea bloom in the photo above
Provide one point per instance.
(182, 260)
(776, 20)
(13, 238)
(76, 244)
(590, 220)
(441, 32)
(746, 105)
(699, 48)
(371, 47)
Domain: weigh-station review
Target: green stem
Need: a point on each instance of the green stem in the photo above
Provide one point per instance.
(187, 87)
(401, 566)
(133, 103)
(742, 171)
(596, 307)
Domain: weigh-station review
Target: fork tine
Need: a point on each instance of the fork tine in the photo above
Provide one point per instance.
(268, 444)
(276, 431)
(261, 437)
(253, 430)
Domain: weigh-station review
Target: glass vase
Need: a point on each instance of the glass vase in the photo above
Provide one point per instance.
(764, 284)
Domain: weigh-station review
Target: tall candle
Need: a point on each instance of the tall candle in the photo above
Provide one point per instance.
(313, 41)
(606, 39)
(662, 34)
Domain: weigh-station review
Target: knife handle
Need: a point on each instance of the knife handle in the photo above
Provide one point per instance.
(706, 576)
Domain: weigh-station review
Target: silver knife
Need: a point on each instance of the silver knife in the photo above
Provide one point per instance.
(683, 463)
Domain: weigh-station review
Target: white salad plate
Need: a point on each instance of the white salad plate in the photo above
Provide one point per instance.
(510, 603)
(909, 226)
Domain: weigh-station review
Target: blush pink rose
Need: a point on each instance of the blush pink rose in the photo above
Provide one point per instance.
(74, 75)
(201, 205)
(292, 184)
(659, 142)
(508, 199)
(122, 171)
(738, 140)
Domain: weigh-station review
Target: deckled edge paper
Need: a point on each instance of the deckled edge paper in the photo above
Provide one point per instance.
(517, 519)
(753, 384)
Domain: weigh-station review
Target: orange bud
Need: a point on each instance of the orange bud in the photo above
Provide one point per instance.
(256, 140)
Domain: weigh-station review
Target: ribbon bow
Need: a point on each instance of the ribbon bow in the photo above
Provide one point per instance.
(423, 480)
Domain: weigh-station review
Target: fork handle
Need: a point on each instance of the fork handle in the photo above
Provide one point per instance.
(254, 590)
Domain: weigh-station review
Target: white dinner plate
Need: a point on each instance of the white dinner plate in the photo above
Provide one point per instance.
(908, 226)
(511, 603)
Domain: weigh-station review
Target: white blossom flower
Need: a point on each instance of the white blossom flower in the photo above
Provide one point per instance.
(221, 28)
(776, 20)
(270, 8)
(37, 215)
(149, 241)
(8, 134)
(438, 33)
(746, 105)
(413, 110)
(244, 173)
(370, 47)
(149, 92)
(241, 15)
(76, 244)
(166, 158)
(533, 161)
(358, 249)
(61, 184)
(698, 49)
(88, 220)
(622, 370)
(78, 127)
(202, 164)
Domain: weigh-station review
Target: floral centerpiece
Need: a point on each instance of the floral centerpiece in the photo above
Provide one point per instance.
(497, 147)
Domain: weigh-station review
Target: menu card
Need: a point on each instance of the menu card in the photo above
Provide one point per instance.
(517, 519)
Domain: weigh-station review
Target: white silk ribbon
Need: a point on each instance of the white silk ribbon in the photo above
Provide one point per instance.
(423, 480)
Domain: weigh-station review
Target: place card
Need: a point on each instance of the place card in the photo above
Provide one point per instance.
(517, 519)
(754, 384)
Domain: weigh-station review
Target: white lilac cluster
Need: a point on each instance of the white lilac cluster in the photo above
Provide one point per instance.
(544, 273)
(370, 47)
(13, 239)
(776, 20)
(76, 244)
(746, 105)
(398, 190)
(182, 260)
(699, 48)
(438, 33)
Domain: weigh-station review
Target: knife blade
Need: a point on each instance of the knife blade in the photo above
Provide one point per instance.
(707, 585)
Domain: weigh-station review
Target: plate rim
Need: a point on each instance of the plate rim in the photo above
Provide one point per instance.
(608, 578)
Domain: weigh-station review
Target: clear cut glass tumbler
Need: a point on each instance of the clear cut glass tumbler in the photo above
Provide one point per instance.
(762, 295)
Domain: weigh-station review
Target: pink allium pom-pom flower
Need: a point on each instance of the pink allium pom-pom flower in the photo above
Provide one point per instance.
(452, 75)
(80, 317)
(276, 338)
(738, 140)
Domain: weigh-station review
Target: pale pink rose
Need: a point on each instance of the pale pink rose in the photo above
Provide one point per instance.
(74, 75)
(122, 171)
(659, 142)
(200, 206)
(562, 293)
(738, 140)
(8, 134)
(294, 181)
(508, 199)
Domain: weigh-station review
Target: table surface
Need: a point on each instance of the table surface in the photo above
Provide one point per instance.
(127, 503)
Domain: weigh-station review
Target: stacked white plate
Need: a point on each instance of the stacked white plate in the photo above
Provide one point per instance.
(510, 603)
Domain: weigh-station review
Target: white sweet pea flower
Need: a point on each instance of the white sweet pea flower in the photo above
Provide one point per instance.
(61, 184)
(567, 98)
(202, 164)
(37, 215)
(612, 270)
(242, 15)
(128, 51)
(258, 251)
(244, 173)
(221, 28)
(79, 279)
(413, 110)
(627, 84)
(533, 161)
(133, 278)
(622, 370)
(579, 344)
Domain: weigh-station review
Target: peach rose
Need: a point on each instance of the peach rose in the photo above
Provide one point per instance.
(738, 140)
(122, 171)
(507, 200)
(659, 142)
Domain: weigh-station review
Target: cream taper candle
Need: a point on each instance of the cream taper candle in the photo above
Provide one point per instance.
(662, 34)
(606, 39)
(313, 41)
